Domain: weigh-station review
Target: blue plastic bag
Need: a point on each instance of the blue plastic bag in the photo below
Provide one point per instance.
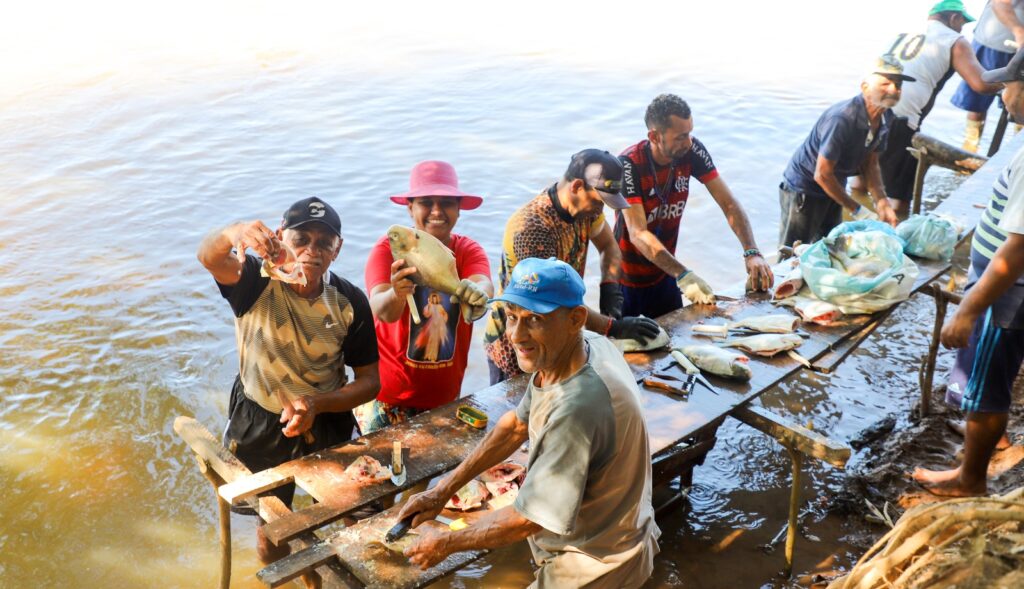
(928, 236)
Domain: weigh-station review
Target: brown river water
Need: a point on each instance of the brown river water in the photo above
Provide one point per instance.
(127, 132)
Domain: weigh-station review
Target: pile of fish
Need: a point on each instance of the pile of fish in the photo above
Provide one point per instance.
(434, 263)
(773, 334)
(499, 483)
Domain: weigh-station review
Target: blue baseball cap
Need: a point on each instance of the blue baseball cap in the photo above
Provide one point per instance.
(542, 286)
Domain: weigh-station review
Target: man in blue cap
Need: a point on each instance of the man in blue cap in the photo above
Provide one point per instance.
(585, 505)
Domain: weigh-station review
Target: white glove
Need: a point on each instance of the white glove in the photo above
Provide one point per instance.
(862, 213)
(470, 293)
(694, 288)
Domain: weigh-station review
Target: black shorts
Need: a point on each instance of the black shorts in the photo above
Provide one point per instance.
(898, 166)
(259, 443)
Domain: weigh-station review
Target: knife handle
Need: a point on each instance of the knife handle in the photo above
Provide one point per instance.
(400, 529)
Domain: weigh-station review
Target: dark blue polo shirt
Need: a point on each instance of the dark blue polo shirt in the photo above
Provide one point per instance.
(841, 136)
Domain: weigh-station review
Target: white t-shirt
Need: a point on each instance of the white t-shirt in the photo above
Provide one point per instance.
(927, 57)
(992, 33)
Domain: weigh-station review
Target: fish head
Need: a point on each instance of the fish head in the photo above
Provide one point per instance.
(402, 240)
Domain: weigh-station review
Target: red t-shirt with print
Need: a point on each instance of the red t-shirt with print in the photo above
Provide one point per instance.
(422, 366)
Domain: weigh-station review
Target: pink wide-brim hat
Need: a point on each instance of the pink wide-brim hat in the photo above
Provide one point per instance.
(435, 178)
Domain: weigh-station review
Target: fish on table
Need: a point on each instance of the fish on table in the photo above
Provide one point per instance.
(813, 310)
(774, 323)
(662, 340)
(434, 263)
(766, 344)
(713, 359)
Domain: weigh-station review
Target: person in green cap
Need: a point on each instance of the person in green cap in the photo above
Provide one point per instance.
(1000, 26)
(930, 56)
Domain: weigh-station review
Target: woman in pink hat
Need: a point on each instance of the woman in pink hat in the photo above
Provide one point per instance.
(420, 367)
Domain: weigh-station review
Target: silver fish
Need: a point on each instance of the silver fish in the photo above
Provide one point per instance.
(718, 361)
(766, 344)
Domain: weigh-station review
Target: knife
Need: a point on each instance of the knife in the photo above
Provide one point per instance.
(402, 527)
(691, 369)
(397, 467)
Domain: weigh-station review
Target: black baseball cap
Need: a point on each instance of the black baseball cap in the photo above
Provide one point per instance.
(1013, 72)
(309, 210)
(601, 171)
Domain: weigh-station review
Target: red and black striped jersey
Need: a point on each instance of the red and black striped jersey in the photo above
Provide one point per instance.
(663, 191)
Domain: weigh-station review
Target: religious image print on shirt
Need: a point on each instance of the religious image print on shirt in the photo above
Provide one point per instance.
(433, 340)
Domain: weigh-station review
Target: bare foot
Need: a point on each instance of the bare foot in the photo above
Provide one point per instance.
(946, 483)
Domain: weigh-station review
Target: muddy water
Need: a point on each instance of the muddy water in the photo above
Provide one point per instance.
(127, 133)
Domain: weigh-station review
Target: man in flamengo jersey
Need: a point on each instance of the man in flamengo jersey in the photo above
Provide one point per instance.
(656, 184)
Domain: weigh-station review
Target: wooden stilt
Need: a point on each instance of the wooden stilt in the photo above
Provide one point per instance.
(794, 506)
(224, 521)
(942, 298)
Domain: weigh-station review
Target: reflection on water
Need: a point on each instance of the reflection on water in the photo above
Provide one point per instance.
(118, 158)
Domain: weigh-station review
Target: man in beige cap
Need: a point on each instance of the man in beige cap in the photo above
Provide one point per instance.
(846, 141)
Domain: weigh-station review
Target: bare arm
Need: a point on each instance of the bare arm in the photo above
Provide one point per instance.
(611, 256)
(966, 64)
(648, 243)
(1003, 9)
(388, 299)
(873, 175)
(226, 266)
(499, 443)
(759, 273)
(825, 176)
(497, 528)
(1006, 266)
(299, 416)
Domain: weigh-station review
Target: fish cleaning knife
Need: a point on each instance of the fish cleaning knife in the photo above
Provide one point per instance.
(403, 526)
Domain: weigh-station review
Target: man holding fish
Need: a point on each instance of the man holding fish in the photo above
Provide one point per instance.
(422, 336)
(988, 326)
(291, 396)
(585, 505)
(656, 184)
(847, 140)
(561, 222)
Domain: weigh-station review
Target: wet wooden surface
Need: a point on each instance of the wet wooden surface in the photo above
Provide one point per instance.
(438, 442)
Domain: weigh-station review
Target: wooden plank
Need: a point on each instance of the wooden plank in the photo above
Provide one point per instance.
(255, 484)
(294, 565)
(436, 441)
(794, 435)
(231, 469)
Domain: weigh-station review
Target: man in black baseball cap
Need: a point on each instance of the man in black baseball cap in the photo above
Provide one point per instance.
(297, 326)
(602, 171)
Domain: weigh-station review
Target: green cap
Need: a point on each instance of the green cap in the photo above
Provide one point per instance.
(951, 6)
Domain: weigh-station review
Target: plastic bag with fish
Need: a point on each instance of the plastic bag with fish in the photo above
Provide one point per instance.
(928, 236)
(434, 263)
(469, 497)
(859, 267)
(715, 360)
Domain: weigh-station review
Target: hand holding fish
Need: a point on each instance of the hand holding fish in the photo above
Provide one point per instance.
(695, 288)
(431, 547)
(400, 281)
(759, 273)
(257, 236)
(298, 415)
(641, 329)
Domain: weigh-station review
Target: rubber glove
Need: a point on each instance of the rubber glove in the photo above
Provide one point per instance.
(470, 293)
(694, 288)
(611, 300)
(641, 329)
